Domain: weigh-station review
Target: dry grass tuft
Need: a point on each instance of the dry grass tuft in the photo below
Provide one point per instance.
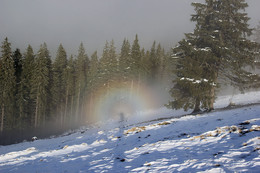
(135, 129)
(164, 123)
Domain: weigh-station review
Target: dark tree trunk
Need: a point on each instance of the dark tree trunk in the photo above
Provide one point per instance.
(197, 106)
(2, 118)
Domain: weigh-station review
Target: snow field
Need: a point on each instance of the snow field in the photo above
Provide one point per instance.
(221, 141)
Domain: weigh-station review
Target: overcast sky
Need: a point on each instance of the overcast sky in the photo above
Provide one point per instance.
(94, 21)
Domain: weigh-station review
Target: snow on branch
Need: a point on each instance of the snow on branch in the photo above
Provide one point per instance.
(206, 49)
(194, 81)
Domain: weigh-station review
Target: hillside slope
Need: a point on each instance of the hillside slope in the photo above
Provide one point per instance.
(221, 141)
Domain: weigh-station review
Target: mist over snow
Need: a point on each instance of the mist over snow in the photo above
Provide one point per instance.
(161, 140)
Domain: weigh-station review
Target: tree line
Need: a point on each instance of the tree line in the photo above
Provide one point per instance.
(36, 89)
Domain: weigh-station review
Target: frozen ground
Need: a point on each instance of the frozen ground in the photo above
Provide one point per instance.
(221, 141)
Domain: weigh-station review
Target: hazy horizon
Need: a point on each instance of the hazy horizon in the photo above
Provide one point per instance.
(93, 22)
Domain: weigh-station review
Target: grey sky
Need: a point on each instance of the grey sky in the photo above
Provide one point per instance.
(94, 21)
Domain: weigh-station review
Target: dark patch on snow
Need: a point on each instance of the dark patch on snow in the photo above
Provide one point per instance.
(145, 153)
(182, 134)
(147, 136)
(244, 123)
(218, 153)
(217, 165)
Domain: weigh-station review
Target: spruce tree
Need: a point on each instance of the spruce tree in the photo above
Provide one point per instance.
(136, 64)
(59, 83)
(144, 66)
(146, 61)
(136, 58)
(191, 80)
(113, 64)
(7, 86)
(70, 80)
(125, 61)
(221, 31)
(25, 102)
(108, 65)
(160, 53)
(81, 80)
(93, 82)
(154, 62)
(41, 84)
(17, 58)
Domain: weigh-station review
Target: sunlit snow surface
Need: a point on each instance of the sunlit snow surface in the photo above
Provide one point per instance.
(214, 142)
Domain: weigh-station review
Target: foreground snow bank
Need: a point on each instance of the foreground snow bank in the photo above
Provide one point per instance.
(224, 141)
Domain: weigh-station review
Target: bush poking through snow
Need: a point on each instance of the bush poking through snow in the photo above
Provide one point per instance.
(66, 146)
(224, 131)
(135, 129)
(34, 138)
(164, 123)
(255, 128)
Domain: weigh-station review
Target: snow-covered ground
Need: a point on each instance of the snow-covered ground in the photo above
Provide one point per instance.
(221, 141)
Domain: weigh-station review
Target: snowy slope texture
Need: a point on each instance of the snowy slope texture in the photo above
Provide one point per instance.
(221, 141)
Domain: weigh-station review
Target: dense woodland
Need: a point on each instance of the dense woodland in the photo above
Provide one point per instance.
(36, 89)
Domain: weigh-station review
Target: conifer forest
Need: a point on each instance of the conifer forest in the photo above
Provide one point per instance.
(38, 91)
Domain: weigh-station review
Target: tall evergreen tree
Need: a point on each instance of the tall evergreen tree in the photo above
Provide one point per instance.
(136, 58)
(221, 30)
(154, 62)
(7, 86)
(125, 61)
(93, 73)
(17, 58)
(191, 80)
(160, 53)
(93, 82)
(81, 80)
(25, 102)
(59, 83)
(108, 65)
(70, 80)
(113, 64)
(137, 66)
(41, 86)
